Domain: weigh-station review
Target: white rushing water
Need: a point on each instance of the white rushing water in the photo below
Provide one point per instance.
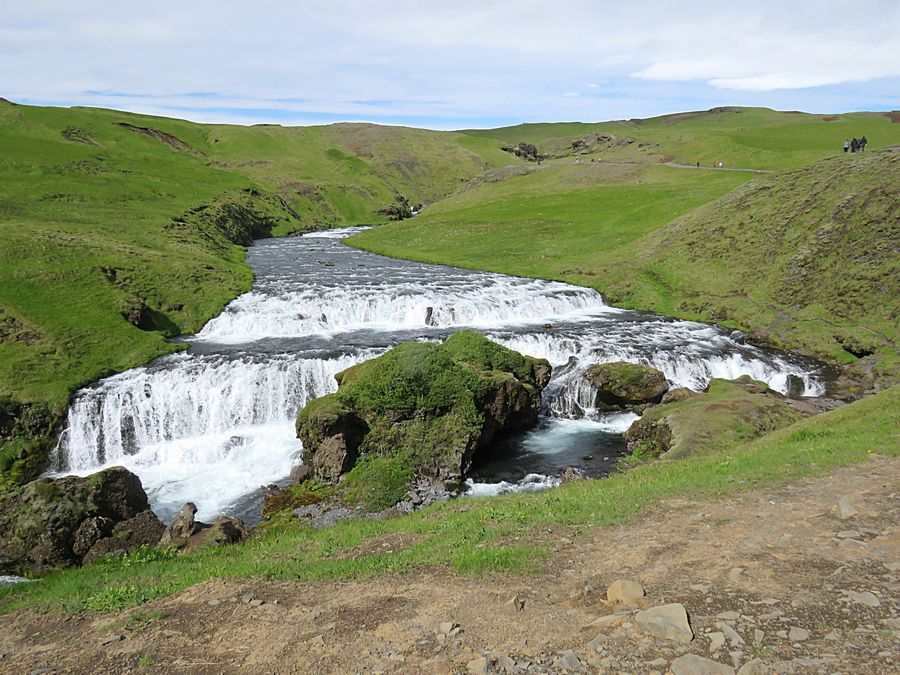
(214, 423)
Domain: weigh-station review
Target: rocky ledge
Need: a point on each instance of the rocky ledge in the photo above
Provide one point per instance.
(421, 410)
(52, 523)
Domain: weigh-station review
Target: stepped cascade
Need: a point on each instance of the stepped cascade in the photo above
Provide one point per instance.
(214, 423)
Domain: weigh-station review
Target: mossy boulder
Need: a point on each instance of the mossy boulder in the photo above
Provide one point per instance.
(27, 435)
(622, 384)
(59, 522)
(727, 413)
(429, 407)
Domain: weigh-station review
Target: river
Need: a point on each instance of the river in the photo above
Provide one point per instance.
(214, 423)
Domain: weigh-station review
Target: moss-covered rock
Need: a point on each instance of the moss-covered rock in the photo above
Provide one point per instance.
(621, 383)
(27, 435)
(52, 523)
(430, 407)
(727, 413)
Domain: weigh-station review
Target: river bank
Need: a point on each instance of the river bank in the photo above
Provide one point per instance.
(788, 581)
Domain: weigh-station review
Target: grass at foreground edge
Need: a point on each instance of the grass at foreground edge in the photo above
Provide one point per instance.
(469, 536)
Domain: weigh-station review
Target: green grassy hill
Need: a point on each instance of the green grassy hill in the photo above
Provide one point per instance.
(738, 137)
(806, 258)
(119, 230)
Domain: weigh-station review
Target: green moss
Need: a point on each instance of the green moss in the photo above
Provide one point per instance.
(378, 482)
(294, 496)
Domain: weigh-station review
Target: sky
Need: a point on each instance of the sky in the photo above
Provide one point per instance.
(449, 65)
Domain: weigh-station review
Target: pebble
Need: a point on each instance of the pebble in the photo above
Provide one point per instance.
(478, 666)
(568, 660)
(624, 591)
(865, 598)
(691, 664)
(115, 637)
(845, 509)
(730, 633)
(246, 598)
(734, 576)
(849, 534)
(797, 634)
(213, 603)
(758, 635)
(257, 603)
(716, 642)
(728, 616)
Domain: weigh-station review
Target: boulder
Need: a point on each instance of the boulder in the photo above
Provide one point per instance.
(182, 527)
(222, 531)
(621, 383)
(678, 394)
(727, 413)
(624, 592)
(56, 522)
(300, 473)
(431, 407)
(668, 622)
(145, 529)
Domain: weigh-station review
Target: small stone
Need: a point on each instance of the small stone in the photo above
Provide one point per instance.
(865, 598)
(247, 598)
(733, 637)
(845, 509)
(447, 627)
(754, 667)
(849, 534)
(515, 604)
(701, 588)
(758, 635)
(257, 603)
(568, 660)
(606, 620)
(115, 637)
(716, 641)
(478, 666)
(735, 575)
(624, 592)
(728, 616)
(503, 662)
(691, 664)
(657, 663)
(317, 640)
(797, 634)
(213, 603)
(597, 644)
(669, 622)
(892, 623)
(42, 671)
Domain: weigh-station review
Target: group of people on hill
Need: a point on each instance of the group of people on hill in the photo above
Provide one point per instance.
(856, 145)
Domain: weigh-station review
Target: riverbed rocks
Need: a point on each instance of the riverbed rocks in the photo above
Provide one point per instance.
(59, 522)
(626, 384)
(727, 412)
(423, 408)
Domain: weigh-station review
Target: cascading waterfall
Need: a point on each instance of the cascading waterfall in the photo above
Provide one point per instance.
(214, 423)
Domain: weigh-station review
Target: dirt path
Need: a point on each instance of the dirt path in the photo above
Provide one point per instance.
(774, 575)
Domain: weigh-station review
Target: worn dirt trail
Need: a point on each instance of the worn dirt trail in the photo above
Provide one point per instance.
(775, 575)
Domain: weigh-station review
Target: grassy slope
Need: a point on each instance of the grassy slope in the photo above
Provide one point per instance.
(106, 196)
(97, 217)
(738, 137)
(477, 536)
(802, 255)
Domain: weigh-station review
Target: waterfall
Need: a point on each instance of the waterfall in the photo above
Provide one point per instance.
(214, 423)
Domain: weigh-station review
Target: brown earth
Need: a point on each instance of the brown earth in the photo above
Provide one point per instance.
(748, 569)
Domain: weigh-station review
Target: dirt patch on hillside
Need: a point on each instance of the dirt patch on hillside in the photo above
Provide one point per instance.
(775, 575)
(164, 137)
(893, 115)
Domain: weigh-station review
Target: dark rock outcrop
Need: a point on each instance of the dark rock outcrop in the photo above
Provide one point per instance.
(621, 383)
(430, 407)
(59, 522)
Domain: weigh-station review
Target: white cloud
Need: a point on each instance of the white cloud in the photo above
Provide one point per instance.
(465, 60)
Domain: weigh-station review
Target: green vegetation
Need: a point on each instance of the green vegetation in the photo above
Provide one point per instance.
(728, 413)
(120, 230)
(739, 137)
(426, 407)
(476, 536)
(804, 259)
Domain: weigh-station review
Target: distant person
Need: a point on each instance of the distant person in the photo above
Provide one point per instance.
(698, 165)
(862, 143)
(720, 165)
(846, 146)
(854, 144)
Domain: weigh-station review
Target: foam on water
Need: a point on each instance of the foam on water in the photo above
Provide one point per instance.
(533, 482)
(212, 424)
